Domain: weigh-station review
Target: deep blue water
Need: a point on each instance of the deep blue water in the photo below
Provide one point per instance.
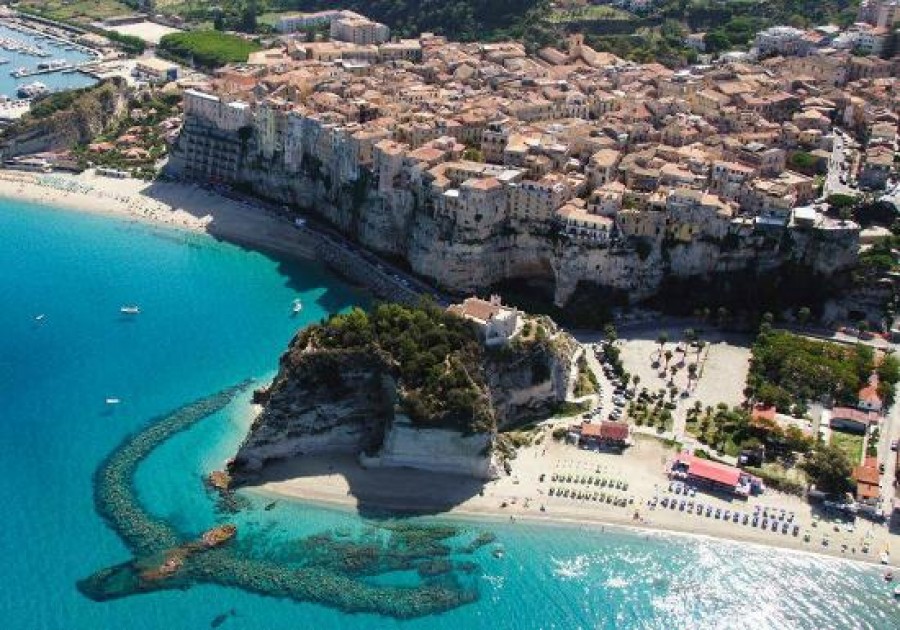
(212, 315)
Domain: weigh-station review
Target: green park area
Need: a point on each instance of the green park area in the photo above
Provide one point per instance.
(207, 49)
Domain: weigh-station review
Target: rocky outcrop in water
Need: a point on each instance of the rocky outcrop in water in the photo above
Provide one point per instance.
(397, 388)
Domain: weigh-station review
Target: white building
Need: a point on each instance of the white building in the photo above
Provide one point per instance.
(781, 40)
(225, 116)
(359, 30)
(303, 21)
(497, 324)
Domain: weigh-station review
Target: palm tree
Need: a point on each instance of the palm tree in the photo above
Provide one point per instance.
(668, 356)
(636, 380)
(661, 339)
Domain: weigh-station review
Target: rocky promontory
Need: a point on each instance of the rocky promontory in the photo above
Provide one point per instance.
(402, 386)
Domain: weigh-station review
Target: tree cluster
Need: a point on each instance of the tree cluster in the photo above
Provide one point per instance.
(787, 369)
(435, 357)
(207, 49)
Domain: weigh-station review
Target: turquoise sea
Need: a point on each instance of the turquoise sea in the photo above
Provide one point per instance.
(212, 315)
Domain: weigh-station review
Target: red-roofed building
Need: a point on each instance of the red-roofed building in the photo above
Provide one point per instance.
(705, 472)
(853, 419)
(605, 432)
(867, 478)
(869, 400)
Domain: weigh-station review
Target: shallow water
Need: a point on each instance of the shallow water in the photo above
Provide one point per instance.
(212, 315)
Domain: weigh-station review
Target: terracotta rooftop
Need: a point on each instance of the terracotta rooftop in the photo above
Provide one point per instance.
(710, 470)
(476, 308)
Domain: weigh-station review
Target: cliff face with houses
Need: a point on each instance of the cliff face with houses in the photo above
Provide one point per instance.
(468, 225)
(337, 394)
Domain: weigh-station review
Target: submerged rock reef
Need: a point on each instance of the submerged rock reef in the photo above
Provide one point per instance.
(329, 568)
(409, 387)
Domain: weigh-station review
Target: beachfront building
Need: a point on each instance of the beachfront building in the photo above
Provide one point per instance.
(867, 478)
(496, 324)
(606, 433)
(706, 473)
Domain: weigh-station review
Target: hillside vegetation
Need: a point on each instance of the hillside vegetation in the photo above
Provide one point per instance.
(65, 119)
(434, 356)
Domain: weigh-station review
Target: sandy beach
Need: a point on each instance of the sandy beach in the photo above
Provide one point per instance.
(173, 204)
(341, 481)
(524, 494)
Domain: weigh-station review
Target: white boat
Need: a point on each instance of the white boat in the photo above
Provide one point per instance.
(112, 401)
(40, 317)
(32, 90)
(297, 306)
(129, 310)
(885, 558)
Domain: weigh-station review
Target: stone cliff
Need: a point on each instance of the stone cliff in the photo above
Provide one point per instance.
(61, 121)
(462, 246)
(405, 387)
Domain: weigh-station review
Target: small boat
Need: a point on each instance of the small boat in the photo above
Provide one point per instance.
(498, 552)
(112, 401)
(129, 310)
(885, 558)
(897, 592)
(888, 576)
(39, 318)
(296, 306)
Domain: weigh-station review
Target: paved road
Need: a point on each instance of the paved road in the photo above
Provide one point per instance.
(890, 430)
(841, 152)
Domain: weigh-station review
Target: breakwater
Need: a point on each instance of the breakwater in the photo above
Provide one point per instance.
(328, 568)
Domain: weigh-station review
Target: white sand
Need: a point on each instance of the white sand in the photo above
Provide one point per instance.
(177, 205)
(339, 480)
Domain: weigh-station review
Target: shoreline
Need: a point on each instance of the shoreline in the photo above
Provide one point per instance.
(180, 206)
(624, 525)
(563, 521)
(339, 482)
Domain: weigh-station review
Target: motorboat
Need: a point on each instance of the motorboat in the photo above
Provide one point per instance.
(112, 401)
(32, 90)
(39, 318)
(129, 310)
(296, 306)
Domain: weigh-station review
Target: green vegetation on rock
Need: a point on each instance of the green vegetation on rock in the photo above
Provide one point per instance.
(434, 356)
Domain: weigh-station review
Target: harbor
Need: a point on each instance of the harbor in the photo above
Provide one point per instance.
(44, 51)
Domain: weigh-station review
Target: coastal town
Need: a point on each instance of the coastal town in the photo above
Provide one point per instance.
(619, 293)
